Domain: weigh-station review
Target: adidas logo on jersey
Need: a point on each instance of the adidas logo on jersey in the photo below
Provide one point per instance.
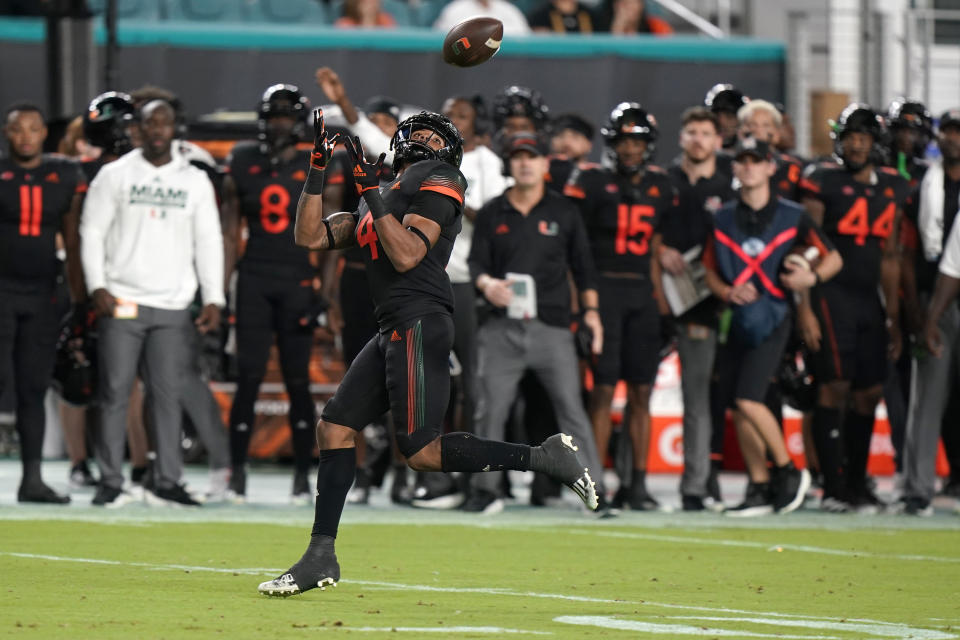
(395, 337)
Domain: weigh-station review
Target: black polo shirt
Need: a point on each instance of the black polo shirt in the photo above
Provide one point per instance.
(546, 244)
(690, 223)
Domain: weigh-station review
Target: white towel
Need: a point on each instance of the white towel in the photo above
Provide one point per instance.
(930, 218)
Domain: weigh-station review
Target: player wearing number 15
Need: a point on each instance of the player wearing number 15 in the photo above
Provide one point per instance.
(274, 279)
(39, 197)
(858, 204)
(622, 209)
(407, 231)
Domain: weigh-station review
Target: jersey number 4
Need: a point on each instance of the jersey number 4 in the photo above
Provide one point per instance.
(31, 209)
(631, 223)
(274, 204)
(856, 222)
(367, 235)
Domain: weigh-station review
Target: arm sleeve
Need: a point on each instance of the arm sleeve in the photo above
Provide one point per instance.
(813, 235)
(480, 258)
(433, 206)
(99, 211)
(578, 253)
(208, 243)
(950, 261)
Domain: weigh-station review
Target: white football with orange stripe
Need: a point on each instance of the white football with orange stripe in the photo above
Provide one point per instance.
(472, 42)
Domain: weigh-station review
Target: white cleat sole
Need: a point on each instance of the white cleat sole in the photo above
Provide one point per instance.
(274, 590)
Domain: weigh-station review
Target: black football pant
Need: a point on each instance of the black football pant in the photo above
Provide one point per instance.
(268, 307)
(28, 335)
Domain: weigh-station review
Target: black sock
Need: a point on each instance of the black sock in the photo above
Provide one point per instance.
(466, 452)
(31, 472)
(638, 481)
(334, 477)
(826, 438)
(304, 438)
(239, 443)
(858, 430)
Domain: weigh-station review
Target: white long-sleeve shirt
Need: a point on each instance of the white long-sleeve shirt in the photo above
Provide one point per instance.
(150, 234)
(483, 170)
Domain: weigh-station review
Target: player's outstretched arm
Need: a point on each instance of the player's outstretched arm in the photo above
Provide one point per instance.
(405, 243)
(311, 230)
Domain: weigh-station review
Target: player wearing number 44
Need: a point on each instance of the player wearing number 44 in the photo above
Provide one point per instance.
(406, 231)
(852, 331)
(275, 292)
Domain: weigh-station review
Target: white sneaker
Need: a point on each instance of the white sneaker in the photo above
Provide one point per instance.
(219, 481)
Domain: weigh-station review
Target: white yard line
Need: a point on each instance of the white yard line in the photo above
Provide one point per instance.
(860, 625)
(721, 542)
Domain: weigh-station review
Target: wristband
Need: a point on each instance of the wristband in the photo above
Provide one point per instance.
(420, 234)
(314, 183)
(375, 203)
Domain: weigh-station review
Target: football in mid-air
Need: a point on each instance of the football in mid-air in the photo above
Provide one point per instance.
(472, 42)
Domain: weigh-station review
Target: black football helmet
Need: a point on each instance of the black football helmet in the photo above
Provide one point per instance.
(75, 367)
(906, 113)
(406, 150)
(519, 101)
(630, 120)
(862, 118)
(282, 100)
(106, 120)
(725, 97)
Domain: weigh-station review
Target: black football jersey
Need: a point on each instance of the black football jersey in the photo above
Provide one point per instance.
(432, 189)
(620, 216)
(268, 196)
(786, 181)
(339, 172)
(32, 205)
(857, 217)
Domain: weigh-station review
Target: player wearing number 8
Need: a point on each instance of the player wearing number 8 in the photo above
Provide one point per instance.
(275, 291)
(39, 197)
(858, 204)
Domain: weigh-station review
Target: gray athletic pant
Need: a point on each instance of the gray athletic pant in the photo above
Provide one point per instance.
(934, 379)
(199, 404)
(697, 348)
(156, 341)
(506, 349)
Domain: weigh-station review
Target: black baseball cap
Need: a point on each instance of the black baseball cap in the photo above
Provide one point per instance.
(752, 147)
(574, 122)
(383, 104)
(525, 141)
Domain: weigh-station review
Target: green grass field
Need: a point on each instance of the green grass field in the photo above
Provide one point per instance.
(525, 573)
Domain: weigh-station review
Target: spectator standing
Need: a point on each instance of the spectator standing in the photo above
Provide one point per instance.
(701, 190)
(151, 234)
(40, 196)
(530, 230)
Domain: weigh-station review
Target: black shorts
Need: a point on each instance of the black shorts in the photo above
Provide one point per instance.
(405, 369)
(631, 332)
(853, 344)
(745, 373)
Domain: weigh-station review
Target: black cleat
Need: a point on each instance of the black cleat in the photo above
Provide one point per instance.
(563, 463)
(320, 570)
(40, 493)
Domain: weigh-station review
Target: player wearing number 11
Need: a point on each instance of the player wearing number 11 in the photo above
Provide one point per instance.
(858, 204)
(407, 231)
(39, 197)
